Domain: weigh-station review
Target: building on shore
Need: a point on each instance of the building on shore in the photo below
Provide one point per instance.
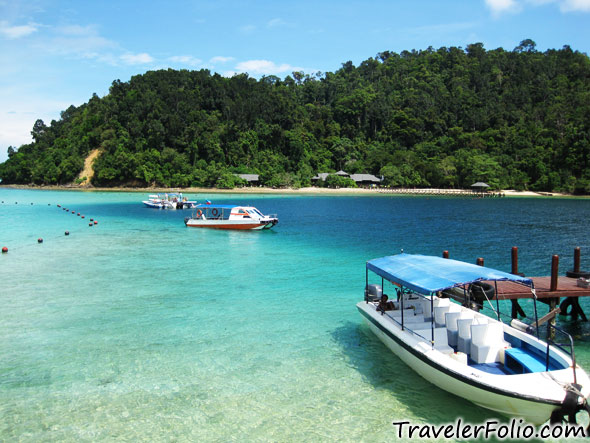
(252, 179)
(361, 180)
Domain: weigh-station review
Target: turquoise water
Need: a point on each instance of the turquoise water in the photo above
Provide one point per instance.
(139, 328)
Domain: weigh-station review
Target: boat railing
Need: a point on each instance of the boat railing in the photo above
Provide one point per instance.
(568, 347)
(499, 315)
(402, 291)
(404, 326)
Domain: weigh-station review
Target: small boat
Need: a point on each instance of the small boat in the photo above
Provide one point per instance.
(504, 367)
(229, 217)
(169, 201)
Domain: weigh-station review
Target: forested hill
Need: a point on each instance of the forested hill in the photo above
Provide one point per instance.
(438, 118)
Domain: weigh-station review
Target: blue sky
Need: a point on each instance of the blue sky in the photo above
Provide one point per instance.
(56, 53)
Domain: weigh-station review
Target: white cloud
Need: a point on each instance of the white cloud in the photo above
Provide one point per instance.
(137, 59)
(574, 5)
(221, 59)
(247, 29)
(275, 22)
(264, 67)
(79, 41)
(499, 7)
(14, 32)
(186, 60)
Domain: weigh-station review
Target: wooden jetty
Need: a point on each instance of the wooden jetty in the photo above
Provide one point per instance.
(566, 287)
(549, 289)
(442, 192)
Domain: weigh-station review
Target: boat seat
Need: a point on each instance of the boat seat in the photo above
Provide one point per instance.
(464, 331)
(436, 302)
(439, 315)
(440, 339)
(464, 335)
(441, 311)
(452, 325)
(487, 342)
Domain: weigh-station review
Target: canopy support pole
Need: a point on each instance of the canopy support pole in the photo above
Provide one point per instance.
(367, 285)
(432, 320)
(402, 305)
(497, 301)
(535, 307)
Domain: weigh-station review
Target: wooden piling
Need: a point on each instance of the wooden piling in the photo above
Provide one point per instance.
(577, 259)
(554, 271)
(515, 260)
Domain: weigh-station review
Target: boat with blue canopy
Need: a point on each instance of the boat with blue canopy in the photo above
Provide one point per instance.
(435, 324)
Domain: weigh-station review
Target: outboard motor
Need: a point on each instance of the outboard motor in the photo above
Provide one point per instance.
(570, 406)
(374, 292)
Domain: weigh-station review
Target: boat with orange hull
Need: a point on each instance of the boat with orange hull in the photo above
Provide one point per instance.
(229, 217)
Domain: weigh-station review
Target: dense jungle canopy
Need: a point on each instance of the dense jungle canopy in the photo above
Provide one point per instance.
(515, 119)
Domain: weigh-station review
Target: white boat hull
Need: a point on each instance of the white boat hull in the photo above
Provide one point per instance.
(169, 205)
(230, 217)
(532, 397)
(230, 224)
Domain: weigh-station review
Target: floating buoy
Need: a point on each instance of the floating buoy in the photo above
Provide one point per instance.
(91, 219)
(89, 224)
(95, 222)
(39, 240)
(4, 249)
(67, 233)
(78, 214)
(59, 206)
(82, 216)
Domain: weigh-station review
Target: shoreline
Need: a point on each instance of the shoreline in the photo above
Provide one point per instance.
(291, 191)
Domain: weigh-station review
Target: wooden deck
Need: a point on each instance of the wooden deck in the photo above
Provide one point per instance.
(566, 287)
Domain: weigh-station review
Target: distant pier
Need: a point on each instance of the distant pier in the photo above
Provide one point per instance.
(434, 191)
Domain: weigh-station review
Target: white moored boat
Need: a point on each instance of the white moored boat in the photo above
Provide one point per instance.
(229, 217)
(169, 201)
(492, 364)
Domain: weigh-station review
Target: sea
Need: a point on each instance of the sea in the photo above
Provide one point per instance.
(137, 328)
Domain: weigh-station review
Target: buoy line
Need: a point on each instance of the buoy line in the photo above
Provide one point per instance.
(40, 240)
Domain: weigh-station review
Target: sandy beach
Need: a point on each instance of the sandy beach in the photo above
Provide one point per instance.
(291, 191)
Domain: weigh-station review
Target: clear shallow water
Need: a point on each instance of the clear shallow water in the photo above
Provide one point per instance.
(141, 329)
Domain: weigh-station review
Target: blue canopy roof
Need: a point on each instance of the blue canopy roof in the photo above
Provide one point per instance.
(428, 274)
(205, 205)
